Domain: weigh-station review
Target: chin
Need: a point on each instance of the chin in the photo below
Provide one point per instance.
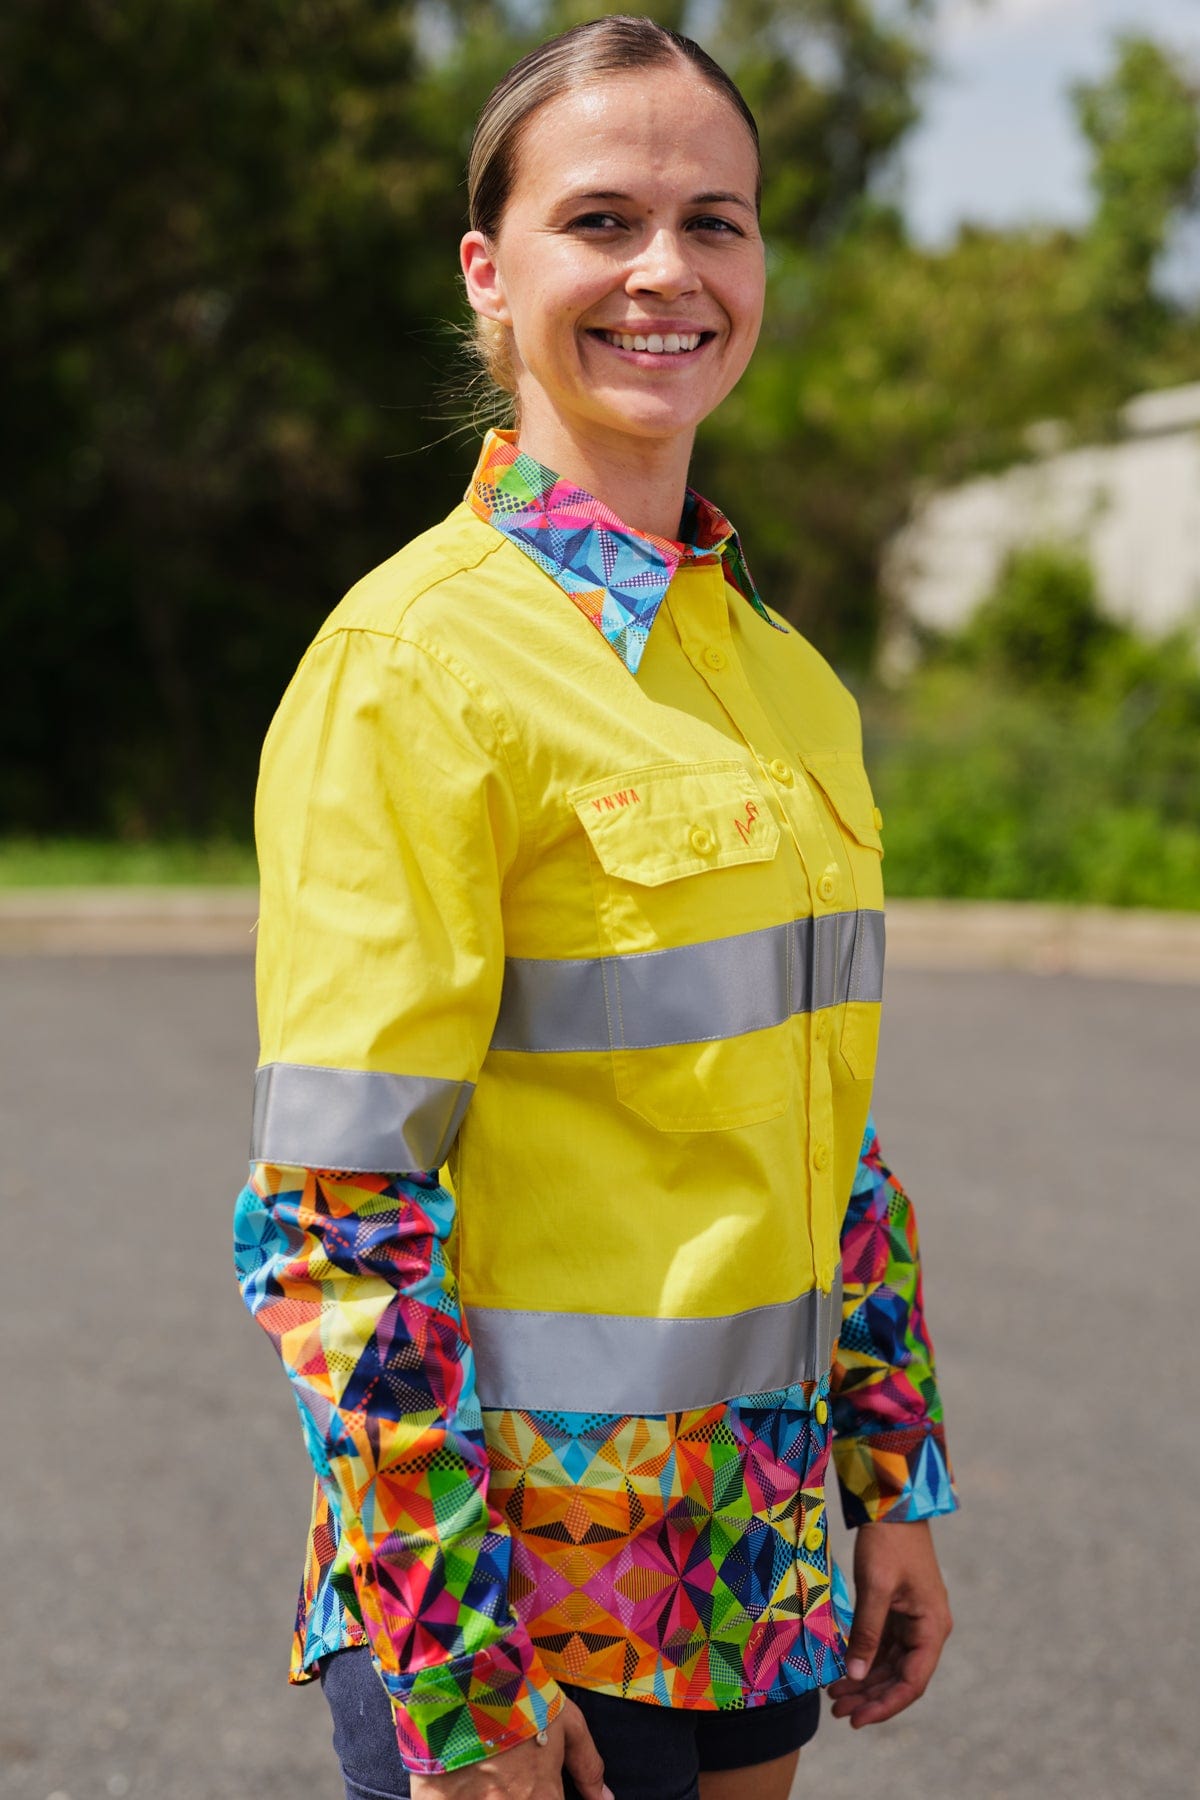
(650, 422)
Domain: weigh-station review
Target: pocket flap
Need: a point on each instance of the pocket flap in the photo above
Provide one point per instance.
(668, 821)
(842, 779)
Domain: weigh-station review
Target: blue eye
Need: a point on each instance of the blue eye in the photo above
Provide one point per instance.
(598, 221)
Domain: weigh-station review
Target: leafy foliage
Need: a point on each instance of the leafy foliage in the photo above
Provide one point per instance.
(1140, 124)
(227, 287)
(1045, 753)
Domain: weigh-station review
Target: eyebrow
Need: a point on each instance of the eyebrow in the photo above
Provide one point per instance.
(713, 199)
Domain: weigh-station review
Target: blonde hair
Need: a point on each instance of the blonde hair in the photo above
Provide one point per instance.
(614, 45)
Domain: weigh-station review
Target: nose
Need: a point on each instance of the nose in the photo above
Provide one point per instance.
(662, 266)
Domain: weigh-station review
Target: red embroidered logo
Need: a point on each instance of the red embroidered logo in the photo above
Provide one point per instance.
(614, 802)
(745, 823)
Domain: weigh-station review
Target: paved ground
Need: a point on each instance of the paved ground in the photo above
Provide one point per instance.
(154, 1492)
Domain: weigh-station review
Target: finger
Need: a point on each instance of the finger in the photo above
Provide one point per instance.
(581, 1757)
(892, 1685)
(846, 1694)
(853, 1706)
(881, 1670)
(889, 1701)
(884, 1675)
(870, 1617)
(879, 1683)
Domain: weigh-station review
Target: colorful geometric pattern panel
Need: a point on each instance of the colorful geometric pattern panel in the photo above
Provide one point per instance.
(617, 577)
(890, 1449)
(680, 1559)
(348, 1276)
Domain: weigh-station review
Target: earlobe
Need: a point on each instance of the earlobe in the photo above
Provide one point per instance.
(485, 288)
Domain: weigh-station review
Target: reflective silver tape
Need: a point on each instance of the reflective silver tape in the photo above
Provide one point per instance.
(354, 1119)
(837, 958)
(691, 995)
(613, 1363)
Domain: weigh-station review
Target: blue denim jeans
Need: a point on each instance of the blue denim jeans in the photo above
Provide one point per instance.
(649, 1752)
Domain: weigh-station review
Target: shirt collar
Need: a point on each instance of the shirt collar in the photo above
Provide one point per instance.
(616, 576)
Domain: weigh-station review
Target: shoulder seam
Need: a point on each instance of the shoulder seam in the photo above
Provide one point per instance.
(331, 629)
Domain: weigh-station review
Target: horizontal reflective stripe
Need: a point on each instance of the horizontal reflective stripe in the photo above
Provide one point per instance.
(694, 994)
(354, 1119)
(611, 1363)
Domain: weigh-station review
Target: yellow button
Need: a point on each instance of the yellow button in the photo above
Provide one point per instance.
(878, 818)
(702, 840)
(827, 887)
(820, 1156)
(821, 1410)
(715, 658)
(783, 775)
(821, 1026)
(814, 1537)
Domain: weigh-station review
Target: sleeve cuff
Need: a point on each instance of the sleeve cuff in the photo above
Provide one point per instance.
(899, 1475)
(456, 1713)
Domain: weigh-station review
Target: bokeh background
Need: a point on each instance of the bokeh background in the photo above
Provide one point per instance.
(230, 328)
(966, 461)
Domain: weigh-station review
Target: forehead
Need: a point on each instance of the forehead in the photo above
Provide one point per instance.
(620, 131)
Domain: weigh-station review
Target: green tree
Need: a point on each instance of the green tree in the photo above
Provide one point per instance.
(228, 260)
(886, 368)
(1140, 122)
(226, 274)
(208, 295)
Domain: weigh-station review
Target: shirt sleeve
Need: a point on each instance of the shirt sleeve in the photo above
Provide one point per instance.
(386, 822)
(889, 1446)
(349, 1277)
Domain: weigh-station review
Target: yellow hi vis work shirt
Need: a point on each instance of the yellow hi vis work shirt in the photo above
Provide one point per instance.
(570, 874)
(610, 944)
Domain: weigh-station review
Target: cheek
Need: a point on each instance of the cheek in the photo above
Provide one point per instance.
(749, 312)
(754, 291)
(546, 313)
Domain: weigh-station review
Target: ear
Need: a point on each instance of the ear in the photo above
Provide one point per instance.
(485, 289)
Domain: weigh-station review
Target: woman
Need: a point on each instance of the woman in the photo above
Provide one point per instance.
(570, 876)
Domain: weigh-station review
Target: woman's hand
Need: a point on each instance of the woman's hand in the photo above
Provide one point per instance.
(901, 1621)
(529, 1771)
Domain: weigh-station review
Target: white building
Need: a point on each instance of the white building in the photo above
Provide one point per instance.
(1133, 506)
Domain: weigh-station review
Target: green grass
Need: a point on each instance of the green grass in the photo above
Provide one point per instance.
(86, 862)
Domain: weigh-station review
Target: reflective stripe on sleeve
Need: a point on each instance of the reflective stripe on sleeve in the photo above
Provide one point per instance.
(354, 1119)
(695, 994)
(613, 1363)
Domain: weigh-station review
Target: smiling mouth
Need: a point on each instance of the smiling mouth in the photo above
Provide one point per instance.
(669, 343)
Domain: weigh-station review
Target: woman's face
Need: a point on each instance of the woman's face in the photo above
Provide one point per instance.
(628, 265)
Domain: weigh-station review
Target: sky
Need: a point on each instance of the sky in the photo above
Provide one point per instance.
(997, 143)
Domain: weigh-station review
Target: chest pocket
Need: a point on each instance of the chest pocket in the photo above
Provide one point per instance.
(842, 781)
(696, 962)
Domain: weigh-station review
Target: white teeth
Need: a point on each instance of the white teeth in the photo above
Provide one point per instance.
(671, 345)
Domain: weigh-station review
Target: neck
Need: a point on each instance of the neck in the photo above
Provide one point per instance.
(642, 480)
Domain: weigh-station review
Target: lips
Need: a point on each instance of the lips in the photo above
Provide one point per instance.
(667, 343)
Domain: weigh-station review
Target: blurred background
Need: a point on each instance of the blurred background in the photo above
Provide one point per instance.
(966, 459)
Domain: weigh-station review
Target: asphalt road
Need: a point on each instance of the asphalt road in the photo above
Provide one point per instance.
(154, 1492)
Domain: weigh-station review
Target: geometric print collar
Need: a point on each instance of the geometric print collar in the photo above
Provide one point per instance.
(616, 576)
